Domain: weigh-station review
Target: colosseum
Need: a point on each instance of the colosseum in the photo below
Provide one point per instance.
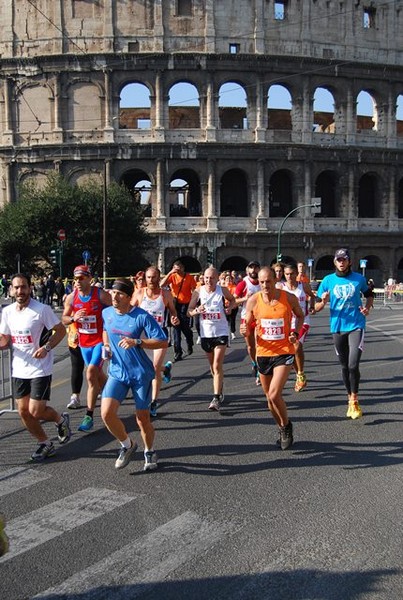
(211, 112)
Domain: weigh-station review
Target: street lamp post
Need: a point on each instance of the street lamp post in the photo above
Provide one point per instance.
(316, 204)
(104, 207)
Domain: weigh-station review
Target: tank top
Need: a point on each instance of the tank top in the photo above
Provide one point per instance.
(273, 326)
(299, 292)
(251, 288)
(213, 322)
(90, 328)
(155, 307)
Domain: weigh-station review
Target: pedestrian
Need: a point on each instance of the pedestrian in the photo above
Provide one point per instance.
(230, 284)
(243, 291)
(182, 285)
(128, 332)
(84, 306)
(59, 291)
(302, 276)
(155, 300)
(343, 289)
(207, 301)
(50, 289)
(33, 330)
(272, 310)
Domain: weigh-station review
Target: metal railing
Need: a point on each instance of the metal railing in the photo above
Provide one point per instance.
(6, 382)
(391, 295)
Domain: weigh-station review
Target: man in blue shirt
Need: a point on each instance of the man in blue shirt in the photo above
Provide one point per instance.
(128, 331)
(343, 289)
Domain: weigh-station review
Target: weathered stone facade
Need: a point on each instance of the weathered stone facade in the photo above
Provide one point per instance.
(64, 64)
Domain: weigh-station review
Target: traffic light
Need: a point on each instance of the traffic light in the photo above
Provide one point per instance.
(210, 257)
(279, 257)
(54, 257)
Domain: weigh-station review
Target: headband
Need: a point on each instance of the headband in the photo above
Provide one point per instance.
(121, 286)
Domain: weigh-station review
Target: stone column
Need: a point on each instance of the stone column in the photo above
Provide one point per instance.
(351, 117)
(307, 113)
(160, 196)
(8, 134)
(259, 30)
(352, 200)
(108, 129)
(261, 112)
(391, 130)
(209, 29)
(261, 221)
(393, 221)
(158, 26)
(212, 220)
(211, 111)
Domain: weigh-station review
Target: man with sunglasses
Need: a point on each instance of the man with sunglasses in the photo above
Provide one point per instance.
(84, 306)
(343, 289)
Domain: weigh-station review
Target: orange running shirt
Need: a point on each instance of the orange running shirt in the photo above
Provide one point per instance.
(273, 326)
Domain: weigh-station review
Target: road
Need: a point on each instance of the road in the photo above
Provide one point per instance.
(227, 514)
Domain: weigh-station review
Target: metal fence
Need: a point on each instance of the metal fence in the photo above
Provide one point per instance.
(6, 382)
(389, 296)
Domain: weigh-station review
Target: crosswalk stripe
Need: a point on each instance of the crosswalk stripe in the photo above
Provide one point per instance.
(52, 520)
(19, 478)
(147, 560)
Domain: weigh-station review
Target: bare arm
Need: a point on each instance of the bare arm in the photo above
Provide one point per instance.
(297, 310)
(169, 303)
(67, 318)
(59, 331)
(249, 316)
(230, 298)
(192, 310)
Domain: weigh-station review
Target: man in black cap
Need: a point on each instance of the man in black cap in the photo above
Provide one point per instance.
(244, 290)
(343, 290)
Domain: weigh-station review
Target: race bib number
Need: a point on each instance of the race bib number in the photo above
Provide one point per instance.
(158, 316)
(272, 329)
(211, 316)
(88, 325)
(22, 338)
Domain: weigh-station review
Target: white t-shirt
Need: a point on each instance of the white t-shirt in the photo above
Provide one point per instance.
(26, 328)
(213, 322)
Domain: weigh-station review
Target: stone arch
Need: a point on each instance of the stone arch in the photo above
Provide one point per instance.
(368, 196)
(134, 106)
(323, 110)
(234, 198)
(232, 106)
(185, 194)
(280, 193)
(279, 107)
(399, 115)
(33, 108)
(324, 266)
(184, 106)
(234, 263)
(326, 185)
(84, 105)
(81, 176)
(140, 185)
(191, 264)
(366, 112)
(38, 178)
(374, 268)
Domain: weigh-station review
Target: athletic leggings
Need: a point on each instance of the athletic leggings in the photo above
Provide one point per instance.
(77, 369)
(349, 346)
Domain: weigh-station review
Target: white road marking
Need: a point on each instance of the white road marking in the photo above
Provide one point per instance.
(148, 560)
(19, 478)
(52, 520)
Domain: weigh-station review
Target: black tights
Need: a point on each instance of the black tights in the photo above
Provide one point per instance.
(77, 369)
(349, 345)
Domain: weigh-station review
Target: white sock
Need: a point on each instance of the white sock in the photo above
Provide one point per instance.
(127, 443)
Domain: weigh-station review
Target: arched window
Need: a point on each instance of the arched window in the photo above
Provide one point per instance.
(234, 194)
(280, 198)
(399, 116)
(140, 186)
(184, 194)
(279, 104)
(367, 118)
(367, 196)
(134, 107)
(323, 111)
(184, 106)
(325, 188)
(232, 103)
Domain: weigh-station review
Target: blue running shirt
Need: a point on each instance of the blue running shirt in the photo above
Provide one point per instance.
(345, 301)
(132, 364)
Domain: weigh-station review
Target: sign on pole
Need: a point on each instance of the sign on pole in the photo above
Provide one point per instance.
(363, 265)
(61, 235)
(86, 256)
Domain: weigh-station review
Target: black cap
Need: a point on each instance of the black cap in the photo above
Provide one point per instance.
(342, 253)
(253, 263)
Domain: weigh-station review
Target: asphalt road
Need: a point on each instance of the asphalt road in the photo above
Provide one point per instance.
(227, 515)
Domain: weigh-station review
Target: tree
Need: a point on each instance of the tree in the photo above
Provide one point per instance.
(29, 227)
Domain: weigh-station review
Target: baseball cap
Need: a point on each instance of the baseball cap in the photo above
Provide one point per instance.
(253, 263)
(82, 270)
(342, 253)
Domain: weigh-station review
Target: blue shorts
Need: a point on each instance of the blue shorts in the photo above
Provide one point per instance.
(92, 355)
(118, 391)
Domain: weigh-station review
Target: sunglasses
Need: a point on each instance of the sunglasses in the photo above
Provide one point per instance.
(79, 278)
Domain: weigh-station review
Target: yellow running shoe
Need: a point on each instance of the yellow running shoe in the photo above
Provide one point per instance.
(355, 410)
(300, 384)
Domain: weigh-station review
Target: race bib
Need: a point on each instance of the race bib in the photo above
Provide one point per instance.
(158, 316)
(211, 316)
(272, 329)
(88, 325)
(22, 338)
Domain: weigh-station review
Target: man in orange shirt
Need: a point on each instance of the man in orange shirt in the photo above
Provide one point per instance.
(302, 277)
(182, 285)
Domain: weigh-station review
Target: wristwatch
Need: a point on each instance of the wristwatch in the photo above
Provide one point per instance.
(139, 342)
(48, 347)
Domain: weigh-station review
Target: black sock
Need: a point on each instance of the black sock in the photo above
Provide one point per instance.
(90, 413)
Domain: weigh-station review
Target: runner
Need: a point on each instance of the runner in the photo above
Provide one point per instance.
(302, 277)
(231, 318)
(33, 330)
(272, 310)
(246, 288)
(130, 368)
(208, 302)
(155, 301)
(303, 293)
(84, 306)
(343, 290)
(182, 285)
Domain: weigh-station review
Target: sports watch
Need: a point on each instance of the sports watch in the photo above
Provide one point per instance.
(139, 342)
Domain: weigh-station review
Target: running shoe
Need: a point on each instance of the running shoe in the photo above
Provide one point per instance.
(43, 451)
(74, 402)
(256, 373)
(178, 356)
(150, 460)
(286, 437)
(167, 376)
(153, 408)
(63, 430)
(354, 410)
(300, 384)
(215, 404)
(86, 424)
(198, 340)
(190, 349)
(125, 455)
(233, 336)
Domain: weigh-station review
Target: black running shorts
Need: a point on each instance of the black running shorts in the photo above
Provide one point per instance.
(37, 388)
(266, 364)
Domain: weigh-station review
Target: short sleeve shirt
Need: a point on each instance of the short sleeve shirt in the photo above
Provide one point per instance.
(345, 301)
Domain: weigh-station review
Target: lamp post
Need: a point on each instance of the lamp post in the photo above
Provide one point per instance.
(316, 203)
(104, 207)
